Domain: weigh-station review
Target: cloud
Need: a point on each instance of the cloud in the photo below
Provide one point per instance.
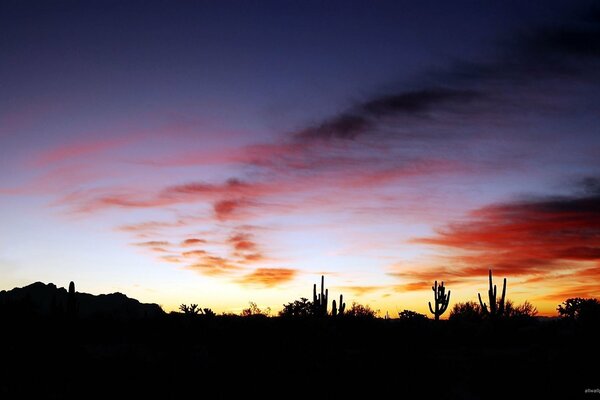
(153, 243)
(413, 286)
(268, 276)
(171, 258)
(363, 117)
(584, 290)
(214, 266)
(534, 236)
(194, 253)
(527, 62)
(192, 242)
(76, 150)
(359, 290)
(242, 242)
(224, 209)
(97, 199)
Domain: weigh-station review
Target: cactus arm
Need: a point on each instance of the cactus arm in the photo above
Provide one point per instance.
(482, 304)
(501, 305)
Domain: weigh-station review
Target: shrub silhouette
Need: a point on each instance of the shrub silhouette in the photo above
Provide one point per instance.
(466, 312)
(496, 308)
(409, 315)
(254, 310)
(521, 311)
(361, 311)
(441, 300)
(297, 308)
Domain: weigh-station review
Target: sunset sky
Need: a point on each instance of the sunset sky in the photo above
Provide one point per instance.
(226, 152)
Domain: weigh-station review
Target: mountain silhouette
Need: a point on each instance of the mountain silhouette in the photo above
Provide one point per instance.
(47, 299)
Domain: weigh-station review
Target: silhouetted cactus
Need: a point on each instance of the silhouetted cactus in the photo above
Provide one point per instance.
(496, 309)
(192, 309)
(320, 301)
(441, 300)
(72, 306)
(338, 312)
(208, 312)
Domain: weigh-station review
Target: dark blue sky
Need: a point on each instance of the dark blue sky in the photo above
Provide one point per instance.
(275, 63)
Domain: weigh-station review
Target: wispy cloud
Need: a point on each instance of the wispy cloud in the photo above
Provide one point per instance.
(359, 290)
(193, 242)
(153, 243)
(79, 149)
(268, 276)
(214, 266)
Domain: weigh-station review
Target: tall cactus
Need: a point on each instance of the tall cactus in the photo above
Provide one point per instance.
(441, 300)
(72, 305)
(320, 301)
(496, 308)
(338, 312)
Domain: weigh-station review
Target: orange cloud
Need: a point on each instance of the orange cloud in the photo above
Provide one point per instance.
(192, 242)
(242, 242)
(268, 276)
(214, 266)
(194, 253)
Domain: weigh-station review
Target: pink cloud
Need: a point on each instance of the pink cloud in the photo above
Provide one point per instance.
(80, 149)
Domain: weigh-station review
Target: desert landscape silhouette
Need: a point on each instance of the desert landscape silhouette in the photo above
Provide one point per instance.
(389, 199)
(59, 344)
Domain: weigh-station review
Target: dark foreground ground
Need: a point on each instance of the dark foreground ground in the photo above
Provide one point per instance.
(178, 357)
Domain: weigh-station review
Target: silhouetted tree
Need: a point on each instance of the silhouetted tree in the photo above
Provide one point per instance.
(441, 300)
(579, 309)
(360, 311)
(254, 310)
(465, 312)
(409, 315)
(496, 307)
(297, 308)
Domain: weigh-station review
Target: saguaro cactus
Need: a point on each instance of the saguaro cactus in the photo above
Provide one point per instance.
(496, 309)
(441, 300)
(338, 312)
(320, 301)
(72, 305)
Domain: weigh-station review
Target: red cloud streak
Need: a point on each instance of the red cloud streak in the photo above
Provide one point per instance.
(536, 237)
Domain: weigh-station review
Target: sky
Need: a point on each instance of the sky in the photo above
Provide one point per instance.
(225, 152)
